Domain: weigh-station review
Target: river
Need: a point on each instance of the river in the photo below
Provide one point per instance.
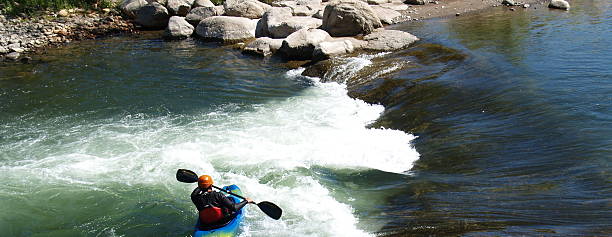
(496, 123)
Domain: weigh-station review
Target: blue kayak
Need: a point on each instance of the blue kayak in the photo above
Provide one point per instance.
(231, 228)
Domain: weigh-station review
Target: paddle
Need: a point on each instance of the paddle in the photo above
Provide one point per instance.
(271, 209)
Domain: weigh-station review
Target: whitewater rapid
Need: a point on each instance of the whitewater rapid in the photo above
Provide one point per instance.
(264, 148)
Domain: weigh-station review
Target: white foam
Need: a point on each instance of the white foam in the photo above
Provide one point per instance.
(260, 148)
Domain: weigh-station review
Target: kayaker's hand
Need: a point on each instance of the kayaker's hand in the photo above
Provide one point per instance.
(249, 200)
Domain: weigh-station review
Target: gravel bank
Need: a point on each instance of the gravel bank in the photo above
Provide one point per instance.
(20, 36)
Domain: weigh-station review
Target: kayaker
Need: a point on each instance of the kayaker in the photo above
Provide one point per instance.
(214, 207)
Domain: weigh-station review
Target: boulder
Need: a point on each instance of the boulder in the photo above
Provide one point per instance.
(308, 2)
(13, 56)
(130, 7)
(387, 15)
(227, 29)
(388, 40)
(178, 28)
(162, 2)
(559, 4)
(357, 44)
(200, 13)
(349, 18)
(152, 16)
(179, 7)
(509, 3)
(301, 44)
(328, 49)
(263, 46)
(283, 28)
(272, 16)
(301, 10)
(245, 8)
(202, 3)
(290, 4)
(415, 2)
(318, 69)
(319, 14)
(377, 2)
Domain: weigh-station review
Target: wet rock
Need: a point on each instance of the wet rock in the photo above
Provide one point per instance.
(328, 49)
(4, 50)
(318, 69)
(377, 2)
(559, 4)
(200, 13)
(245, 8)
(263, 46)
(202, 3)
(388, 40)
(14, 56)
(228, 29)
(349, 18)
(178, 28)
(25, 59)
(301, 44)
(386, 15)
(130, 7)
(415, 2)
(179, 7)
(509, 2)
(153, 16)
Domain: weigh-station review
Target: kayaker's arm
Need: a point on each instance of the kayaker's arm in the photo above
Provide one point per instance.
(194, 198)
(225, 201)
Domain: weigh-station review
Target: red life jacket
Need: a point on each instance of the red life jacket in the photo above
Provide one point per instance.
(211, 215)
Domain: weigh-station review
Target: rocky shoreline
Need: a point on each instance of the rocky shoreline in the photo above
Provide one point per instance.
(297, 29)
(21, 36)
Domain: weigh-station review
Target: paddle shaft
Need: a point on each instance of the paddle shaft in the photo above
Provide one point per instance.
(228, 192)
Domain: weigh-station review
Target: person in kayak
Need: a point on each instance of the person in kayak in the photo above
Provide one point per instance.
(214, 208)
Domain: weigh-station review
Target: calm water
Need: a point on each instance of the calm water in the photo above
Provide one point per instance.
(498, 123)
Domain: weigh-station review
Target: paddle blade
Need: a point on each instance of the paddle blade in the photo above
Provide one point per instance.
(186, 176)
(271, 209)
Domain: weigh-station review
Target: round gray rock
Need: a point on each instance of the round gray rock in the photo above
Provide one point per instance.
(301, 44)
(202, 3)
(178, 28)
(245, 8)
(559, 4)
(228, 29)
(152, 16)
(349, 18)
(200, 13)
(179, 7)
(130, 7)
(263, 46)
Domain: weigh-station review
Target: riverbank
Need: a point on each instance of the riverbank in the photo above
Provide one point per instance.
(20, 36)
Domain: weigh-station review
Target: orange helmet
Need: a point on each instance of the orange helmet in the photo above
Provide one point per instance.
(205, 181)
